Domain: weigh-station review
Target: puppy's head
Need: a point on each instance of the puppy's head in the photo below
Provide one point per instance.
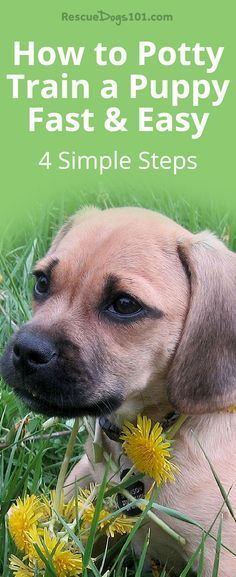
(128, 305)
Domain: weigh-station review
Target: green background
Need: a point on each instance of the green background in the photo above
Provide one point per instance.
(26, 187)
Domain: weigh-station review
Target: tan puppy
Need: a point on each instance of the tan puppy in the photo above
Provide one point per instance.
(132, 313)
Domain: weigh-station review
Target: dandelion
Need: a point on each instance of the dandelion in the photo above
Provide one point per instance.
(148, 449)
(19, 568)
(231, 409)
(66, 510)
(88, 514)
(22, 517)
(120, 525)
(85, 504)
(65, 562)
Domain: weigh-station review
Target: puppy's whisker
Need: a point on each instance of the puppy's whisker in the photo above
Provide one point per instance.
(107, 407)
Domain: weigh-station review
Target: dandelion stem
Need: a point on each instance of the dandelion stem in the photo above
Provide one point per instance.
(158, 521)
(64, 465)
(176, 426)
(129, 474)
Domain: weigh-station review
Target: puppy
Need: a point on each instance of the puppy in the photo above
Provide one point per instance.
(134, 314)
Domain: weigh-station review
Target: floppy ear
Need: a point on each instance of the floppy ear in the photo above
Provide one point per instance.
(202, 376)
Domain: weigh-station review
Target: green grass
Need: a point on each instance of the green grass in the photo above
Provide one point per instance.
(30, 454)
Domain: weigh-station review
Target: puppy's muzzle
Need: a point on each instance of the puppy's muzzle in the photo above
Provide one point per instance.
(32, 353)
(48, 372)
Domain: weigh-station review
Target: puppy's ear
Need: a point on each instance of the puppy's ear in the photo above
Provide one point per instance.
(202, 376)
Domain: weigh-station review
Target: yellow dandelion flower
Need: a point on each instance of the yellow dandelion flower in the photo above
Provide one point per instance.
(231, 409)
(88, 513)
(19, 568)
(149, 492)
(148, 449)
(47, 507)
(22, 517)
(66, 510)
(34, 536)
(119, 525)
(65, 562)
(85, 495)
(69, 511)
(85, 504)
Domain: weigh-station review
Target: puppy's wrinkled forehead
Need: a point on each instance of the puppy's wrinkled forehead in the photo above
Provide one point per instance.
(123, 238)
(133, 248)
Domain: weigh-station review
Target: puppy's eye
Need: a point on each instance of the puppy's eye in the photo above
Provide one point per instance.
(125, 305)
(41, 286)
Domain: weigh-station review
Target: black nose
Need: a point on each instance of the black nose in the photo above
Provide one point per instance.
(32, 351)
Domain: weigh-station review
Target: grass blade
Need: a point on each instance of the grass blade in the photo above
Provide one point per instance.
(218, 549)
(201, 560)
(221, 488)
(139, 573)
(94, 524)
(79, 544)
(133, 532)
(192, 560)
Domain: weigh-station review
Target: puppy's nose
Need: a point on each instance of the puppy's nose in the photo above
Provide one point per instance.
(32, 351)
